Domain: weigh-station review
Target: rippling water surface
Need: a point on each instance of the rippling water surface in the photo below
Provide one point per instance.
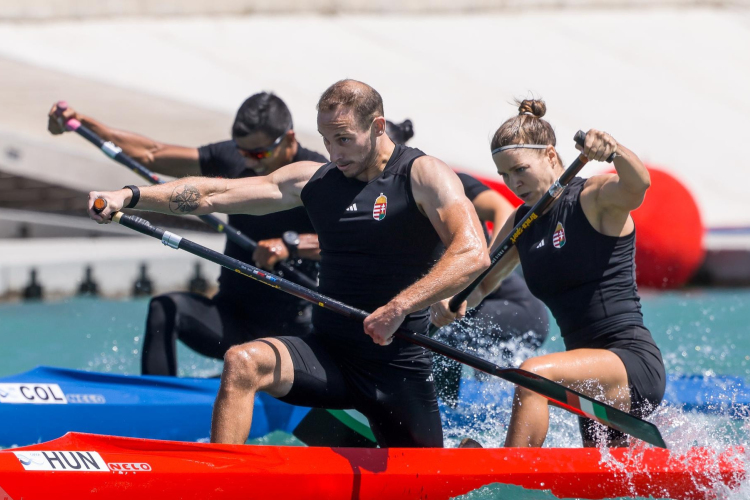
(703, 332)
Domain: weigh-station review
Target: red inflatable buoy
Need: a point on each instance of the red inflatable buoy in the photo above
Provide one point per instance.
(669, 231)
(669, 234)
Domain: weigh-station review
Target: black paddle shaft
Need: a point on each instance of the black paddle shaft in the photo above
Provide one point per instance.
(536, 211)
(232, 233)
(569, 399)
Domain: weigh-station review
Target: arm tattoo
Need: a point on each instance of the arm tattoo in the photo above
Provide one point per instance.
(186, 201)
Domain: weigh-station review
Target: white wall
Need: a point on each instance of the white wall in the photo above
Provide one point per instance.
(35, 10)
(670, 84)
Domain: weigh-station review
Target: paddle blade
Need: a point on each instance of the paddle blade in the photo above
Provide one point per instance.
(334, 428)
(585, 406)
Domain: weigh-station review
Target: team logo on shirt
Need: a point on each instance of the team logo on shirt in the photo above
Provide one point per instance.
(381, 203)
(558, 237)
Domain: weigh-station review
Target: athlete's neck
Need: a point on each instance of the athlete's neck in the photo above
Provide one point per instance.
(383, 152)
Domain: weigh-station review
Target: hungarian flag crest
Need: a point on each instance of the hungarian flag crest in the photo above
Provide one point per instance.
(558, 238)
(381, 203)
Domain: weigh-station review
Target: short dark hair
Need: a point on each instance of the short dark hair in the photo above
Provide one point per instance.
(364, 100)
(262, 112)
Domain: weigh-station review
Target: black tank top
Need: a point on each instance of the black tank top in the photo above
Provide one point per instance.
(374, 243)
(586, 278)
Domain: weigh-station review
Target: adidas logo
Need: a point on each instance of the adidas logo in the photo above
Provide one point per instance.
(540, 244)
(352, 208)
(430, 378)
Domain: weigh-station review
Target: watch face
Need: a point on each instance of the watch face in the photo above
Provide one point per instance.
(291, 238)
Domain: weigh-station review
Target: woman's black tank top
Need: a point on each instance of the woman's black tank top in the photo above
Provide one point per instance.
(586, 278)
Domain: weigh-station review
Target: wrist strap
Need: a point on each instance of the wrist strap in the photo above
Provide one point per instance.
(293, 250)
(136, 196)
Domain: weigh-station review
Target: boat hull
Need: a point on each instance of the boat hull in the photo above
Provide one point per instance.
(125, 468)
(45, 403)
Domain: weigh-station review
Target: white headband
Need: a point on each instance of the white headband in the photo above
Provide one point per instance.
(519, 146)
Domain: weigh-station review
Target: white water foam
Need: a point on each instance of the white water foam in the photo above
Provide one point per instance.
(682, 430)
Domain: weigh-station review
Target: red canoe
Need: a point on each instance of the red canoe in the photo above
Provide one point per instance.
(86, 465)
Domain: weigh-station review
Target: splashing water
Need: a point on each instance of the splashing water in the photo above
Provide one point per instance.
(690, 346)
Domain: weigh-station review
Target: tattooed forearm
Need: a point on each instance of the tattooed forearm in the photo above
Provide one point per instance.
(184, 199)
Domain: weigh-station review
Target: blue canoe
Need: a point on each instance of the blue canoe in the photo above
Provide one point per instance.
(45, 403)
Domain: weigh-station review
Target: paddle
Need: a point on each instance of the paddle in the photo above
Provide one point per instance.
(536, 211)
(569, 399)
(233, 234)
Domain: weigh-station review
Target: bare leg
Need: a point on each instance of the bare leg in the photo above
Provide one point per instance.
(595, 372)
(261, 365)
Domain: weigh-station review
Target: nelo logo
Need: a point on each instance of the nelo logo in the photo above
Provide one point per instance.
(123, 468)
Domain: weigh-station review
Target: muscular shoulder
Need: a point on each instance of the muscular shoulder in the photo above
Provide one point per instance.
(601, 211)
(592, 189)
(432, 180)
(596, 181)
(430, 171)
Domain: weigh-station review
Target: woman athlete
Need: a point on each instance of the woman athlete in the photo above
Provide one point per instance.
(578, 258)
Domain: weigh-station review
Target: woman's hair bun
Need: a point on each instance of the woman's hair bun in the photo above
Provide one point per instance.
(534, 106)
(408, 129)
(399, 132)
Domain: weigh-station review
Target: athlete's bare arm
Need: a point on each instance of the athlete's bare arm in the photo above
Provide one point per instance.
(499, 271)
(275, 192)
(440, 195)
(440, 312)
(492, 207)
(167, 159)
(607, 200)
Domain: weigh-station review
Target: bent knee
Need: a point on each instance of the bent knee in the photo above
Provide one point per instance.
(161, 315)
(539, 366)
(243, 365)
(161, 304)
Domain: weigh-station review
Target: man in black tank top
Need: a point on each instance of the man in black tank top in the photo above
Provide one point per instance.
(382, 214)
(578, 258)
(263, 141)
(510, 322)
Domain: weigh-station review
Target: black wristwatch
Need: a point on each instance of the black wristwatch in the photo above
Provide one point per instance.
(291, 242)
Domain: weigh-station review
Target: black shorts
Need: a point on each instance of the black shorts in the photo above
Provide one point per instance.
(646, 379)
(398, 400)
(211, 326)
